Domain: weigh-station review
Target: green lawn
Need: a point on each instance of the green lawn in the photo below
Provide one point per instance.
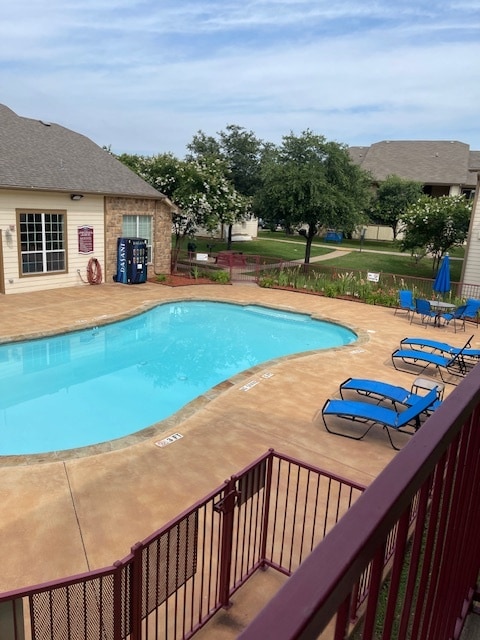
(400, 265)
(377, 245)
(259, 246)
(277, 244)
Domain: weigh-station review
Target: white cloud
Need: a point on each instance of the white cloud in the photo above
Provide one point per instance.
(144, 77)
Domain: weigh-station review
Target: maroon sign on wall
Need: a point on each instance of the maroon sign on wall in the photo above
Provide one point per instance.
(85, 239)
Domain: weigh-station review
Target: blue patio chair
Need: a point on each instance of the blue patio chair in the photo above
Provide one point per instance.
(381, 391)
(372, 415)
(405, 302)
(457, 315)
(425, 311)
(473, 309)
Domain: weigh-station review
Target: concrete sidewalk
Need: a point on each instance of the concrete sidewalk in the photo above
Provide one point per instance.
(338, 251)
(471, 630)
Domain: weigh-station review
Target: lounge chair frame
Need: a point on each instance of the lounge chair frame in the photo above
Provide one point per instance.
(470, 356)
(380, 391)
(437, 345)
(366, 413)
(456, 365)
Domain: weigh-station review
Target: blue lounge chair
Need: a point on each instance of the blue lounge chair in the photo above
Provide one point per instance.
(381, 391)
(456, 364)
(373, 414)
(441, 347)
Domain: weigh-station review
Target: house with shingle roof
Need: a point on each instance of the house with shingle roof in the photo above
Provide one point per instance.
(444, 167)
(64, 201)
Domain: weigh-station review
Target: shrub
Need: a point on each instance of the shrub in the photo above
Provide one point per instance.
(219, 276)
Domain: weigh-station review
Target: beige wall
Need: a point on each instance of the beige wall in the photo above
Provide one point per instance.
(471, 263)
(247, 227)
(91, 210)
(87, 211)
(377, 232)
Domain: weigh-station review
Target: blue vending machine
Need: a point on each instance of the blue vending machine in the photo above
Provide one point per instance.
(131, 260)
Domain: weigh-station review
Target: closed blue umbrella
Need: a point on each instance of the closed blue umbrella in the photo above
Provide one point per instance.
(442, 281)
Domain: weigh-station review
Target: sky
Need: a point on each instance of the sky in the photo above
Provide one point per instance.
(143, 77)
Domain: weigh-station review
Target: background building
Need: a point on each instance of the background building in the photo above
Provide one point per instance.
(64, 201)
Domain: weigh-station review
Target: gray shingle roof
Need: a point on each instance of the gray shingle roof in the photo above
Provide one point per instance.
(474, 164)
(45, 156)
(430, 162)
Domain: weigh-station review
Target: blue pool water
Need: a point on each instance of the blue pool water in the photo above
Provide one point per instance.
(91, 386)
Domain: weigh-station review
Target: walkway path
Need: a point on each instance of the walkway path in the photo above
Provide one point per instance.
(340, 251)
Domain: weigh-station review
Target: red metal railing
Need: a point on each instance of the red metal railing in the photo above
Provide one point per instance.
(409, 545)
(273, 513)
(238, 266)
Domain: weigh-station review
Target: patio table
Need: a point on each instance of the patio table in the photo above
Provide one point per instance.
(439, 306)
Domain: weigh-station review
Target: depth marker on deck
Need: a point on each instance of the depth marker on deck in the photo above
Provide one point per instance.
(253, 383)
(168, 440)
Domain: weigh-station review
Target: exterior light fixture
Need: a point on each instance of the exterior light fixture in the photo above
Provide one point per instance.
(76, 196)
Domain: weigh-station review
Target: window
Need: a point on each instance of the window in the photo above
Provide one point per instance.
(42, 242)
(468, 193)
(139, 227)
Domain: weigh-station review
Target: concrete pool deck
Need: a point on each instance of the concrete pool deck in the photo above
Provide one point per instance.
(66, 513)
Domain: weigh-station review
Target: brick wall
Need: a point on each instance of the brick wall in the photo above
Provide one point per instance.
(159, 210)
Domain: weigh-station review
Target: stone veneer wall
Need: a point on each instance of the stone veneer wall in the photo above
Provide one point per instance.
(115, 209)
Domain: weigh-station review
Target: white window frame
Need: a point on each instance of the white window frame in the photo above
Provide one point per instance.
(137, 219)
(37, 239)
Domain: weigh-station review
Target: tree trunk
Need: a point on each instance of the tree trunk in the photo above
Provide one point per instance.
(309, 236)
(174, 261)
(229, 237)
(308, 248)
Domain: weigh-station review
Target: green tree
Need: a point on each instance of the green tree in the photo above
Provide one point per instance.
(393, 198)
(311, 182)
(434, 225)
(240, 151)
(199, 188)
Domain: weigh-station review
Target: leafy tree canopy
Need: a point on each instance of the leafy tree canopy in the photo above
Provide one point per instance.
(199, 188)
(393, 198)
(311, 182)
(241, 152)
(435, 225)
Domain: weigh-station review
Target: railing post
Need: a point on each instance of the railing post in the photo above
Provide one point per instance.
(117, 601)
(11, 620)
(266, 506)
(136, 592)
(226, 507)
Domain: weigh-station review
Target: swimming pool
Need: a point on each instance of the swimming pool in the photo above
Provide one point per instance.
(91, 386)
